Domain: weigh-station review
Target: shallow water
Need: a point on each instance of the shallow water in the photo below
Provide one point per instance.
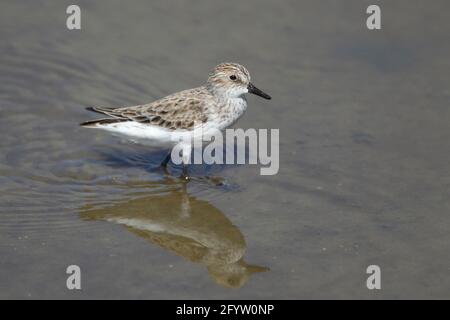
(364, 152)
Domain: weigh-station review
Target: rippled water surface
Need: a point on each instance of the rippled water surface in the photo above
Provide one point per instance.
(364, 152)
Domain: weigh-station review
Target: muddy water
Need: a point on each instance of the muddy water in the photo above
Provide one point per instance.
(364, 152)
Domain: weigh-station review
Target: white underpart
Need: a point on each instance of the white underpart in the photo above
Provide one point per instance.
(224, 116)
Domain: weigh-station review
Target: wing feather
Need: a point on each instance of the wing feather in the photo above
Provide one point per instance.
(182, 110)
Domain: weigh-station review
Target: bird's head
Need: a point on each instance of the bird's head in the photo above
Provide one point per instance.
(232, 80)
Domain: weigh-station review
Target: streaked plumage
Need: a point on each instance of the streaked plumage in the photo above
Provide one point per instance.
(180, 116)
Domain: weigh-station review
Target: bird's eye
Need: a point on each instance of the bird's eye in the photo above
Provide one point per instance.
(233, 77)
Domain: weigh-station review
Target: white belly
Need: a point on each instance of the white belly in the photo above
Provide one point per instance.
(160, 137)
(156, 136)
(140, 133)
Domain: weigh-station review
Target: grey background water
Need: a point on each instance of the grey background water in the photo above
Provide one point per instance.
(364, 153)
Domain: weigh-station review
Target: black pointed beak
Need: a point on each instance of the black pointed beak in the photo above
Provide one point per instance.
(252, 89)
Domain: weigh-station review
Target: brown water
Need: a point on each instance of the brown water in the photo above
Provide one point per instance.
(364, 153)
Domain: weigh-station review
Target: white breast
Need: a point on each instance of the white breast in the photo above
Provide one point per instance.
(231, 112)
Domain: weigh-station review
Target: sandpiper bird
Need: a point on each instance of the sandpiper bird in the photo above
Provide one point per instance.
(181, 117)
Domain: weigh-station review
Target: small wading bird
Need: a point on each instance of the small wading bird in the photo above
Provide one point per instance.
(181, 117)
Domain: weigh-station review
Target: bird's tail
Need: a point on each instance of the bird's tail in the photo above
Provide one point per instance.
(95, 123)
(102, 110)
(105, 111)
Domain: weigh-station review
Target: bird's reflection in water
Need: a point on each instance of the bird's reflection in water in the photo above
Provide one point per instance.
(187, 226)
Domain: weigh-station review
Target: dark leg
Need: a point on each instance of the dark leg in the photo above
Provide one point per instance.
(186, 155)
(185, 174)
(166, 161)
